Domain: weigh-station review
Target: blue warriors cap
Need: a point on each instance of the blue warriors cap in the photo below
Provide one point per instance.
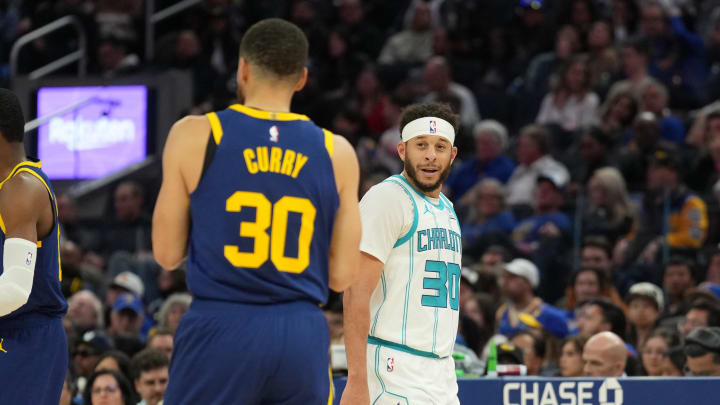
(128, 301)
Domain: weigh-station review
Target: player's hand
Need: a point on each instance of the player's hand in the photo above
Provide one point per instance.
(355, 394)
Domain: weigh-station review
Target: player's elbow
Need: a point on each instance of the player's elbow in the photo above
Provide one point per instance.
(12, 297)
(340, 283)
(167, 258)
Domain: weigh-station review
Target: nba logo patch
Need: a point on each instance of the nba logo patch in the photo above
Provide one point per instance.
(390, 364)
(433, 127)
(28, 258)
(274, 133)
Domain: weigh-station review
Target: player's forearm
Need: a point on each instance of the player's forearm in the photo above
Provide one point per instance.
(356, 320)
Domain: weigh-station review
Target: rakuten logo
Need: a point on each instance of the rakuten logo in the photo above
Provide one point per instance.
(565, 393)
(81, 134)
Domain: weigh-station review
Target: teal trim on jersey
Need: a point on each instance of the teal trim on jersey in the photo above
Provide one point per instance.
(377, 314)
(407, 294)
(440, 205)
(402, 348)
(382, 383)
(410, 233)
(435, 325)
(435, 330)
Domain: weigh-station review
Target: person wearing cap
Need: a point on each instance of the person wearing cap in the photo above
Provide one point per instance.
(687, 220)
(548, 221)
(491, 139)
(645, 303)
(127, 315)
(86, 353)
(524, 311)
(405, 303)
(702, 348)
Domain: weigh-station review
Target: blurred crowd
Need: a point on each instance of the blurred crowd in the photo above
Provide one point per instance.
(587, 180)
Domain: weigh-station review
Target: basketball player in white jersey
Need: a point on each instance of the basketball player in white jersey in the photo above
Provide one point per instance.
(401, 317)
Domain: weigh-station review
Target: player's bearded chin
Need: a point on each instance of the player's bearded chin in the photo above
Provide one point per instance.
(425, 188)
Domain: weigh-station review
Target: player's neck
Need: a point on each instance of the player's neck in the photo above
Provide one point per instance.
(268, 98)
(10, 156)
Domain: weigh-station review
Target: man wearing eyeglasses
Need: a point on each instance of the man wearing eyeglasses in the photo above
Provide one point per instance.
(702, 348)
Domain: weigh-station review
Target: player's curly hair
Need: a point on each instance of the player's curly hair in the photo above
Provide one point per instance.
(276, 46)
(12, 121)
(439, 110)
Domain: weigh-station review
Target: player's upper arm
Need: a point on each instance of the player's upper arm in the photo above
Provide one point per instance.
(386, 212)
(344, 250)
(22, 201)
(182, 165)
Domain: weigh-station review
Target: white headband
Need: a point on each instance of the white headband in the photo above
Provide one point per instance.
(429, 126)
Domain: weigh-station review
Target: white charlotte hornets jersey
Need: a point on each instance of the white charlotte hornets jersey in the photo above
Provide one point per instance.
(415, 305)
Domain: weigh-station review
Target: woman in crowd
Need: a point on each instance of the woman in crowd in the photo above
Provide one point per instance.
(571, 362)
(609, 211)
(108, 387)
(655, 351)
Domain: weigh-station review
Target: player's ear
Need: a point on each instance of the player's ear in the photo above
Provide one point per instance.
(454, 154)
(303, 79)
(401, 150)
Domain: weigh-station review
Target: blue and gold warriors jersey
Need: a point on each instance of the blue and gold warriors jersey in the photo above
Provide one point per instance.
(46, 296)
(262, 219)
(33, 345)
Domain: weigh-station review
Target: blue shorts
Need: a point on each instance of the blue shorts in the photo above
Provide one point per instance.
(33, 360)
(228, 353)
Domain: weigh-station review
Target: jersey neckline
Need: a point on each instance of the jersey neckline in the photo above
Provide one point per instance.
(439, 205)
(268, 115)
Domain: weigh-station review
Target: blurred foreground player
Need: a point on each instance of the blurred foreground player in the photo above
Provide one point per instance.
(33, 347)
(264, 202)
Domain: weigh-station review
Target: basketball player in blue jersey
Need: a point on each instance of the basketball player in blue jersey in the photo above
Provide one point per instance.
(264, 204)
(33, 347)
(401, 316)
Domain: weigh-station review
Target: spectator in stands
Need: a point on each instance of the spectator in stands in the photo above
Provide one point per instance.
(116, 58)
(702, 348)
(624, 17)
(533, 154)
(414, 44)
(127, 316)
(68, 390)
(677, 55)
(617, 115)
(108, 387)
(645, 303)
(480, 310)
(85, 311)
(712, 274)
(534, 353)
(687, 221)
(543, 66)
(368, 98)
(596, 252)
(115, 360)
(548, 221)
(151, 375)
(706, 167)
(523, 310)
(594, 151)
(600, 315)
(677, 280)
(532, 29)
(129, 228)
(173, 309)
(440, 84)
(633, 157)
(586, 284)
(610, 212)
(125, 282)
(571, 103)
(702, 314)
(603, 62)
(675, 362)
(488, 214)
(604, 355)
(654, 351)
(161, 339)
(655, 98)
(362, 36)
(87, 352)
(78, 274)
(571, 361)
(635, 56)
(490, 161)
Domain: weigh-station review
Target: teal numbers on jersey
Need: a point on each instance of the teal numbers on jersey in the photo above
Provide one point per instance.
(447, 285)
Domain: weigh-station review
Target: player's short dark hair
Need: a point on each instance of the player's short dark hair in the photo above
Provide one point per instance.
(611, 313)
(12, 120)
(276, 46)
(439, 110)
(148, 360)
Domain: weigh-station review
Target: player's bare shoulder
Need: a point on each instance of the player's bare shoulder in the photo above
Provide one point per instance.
(25, 198)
